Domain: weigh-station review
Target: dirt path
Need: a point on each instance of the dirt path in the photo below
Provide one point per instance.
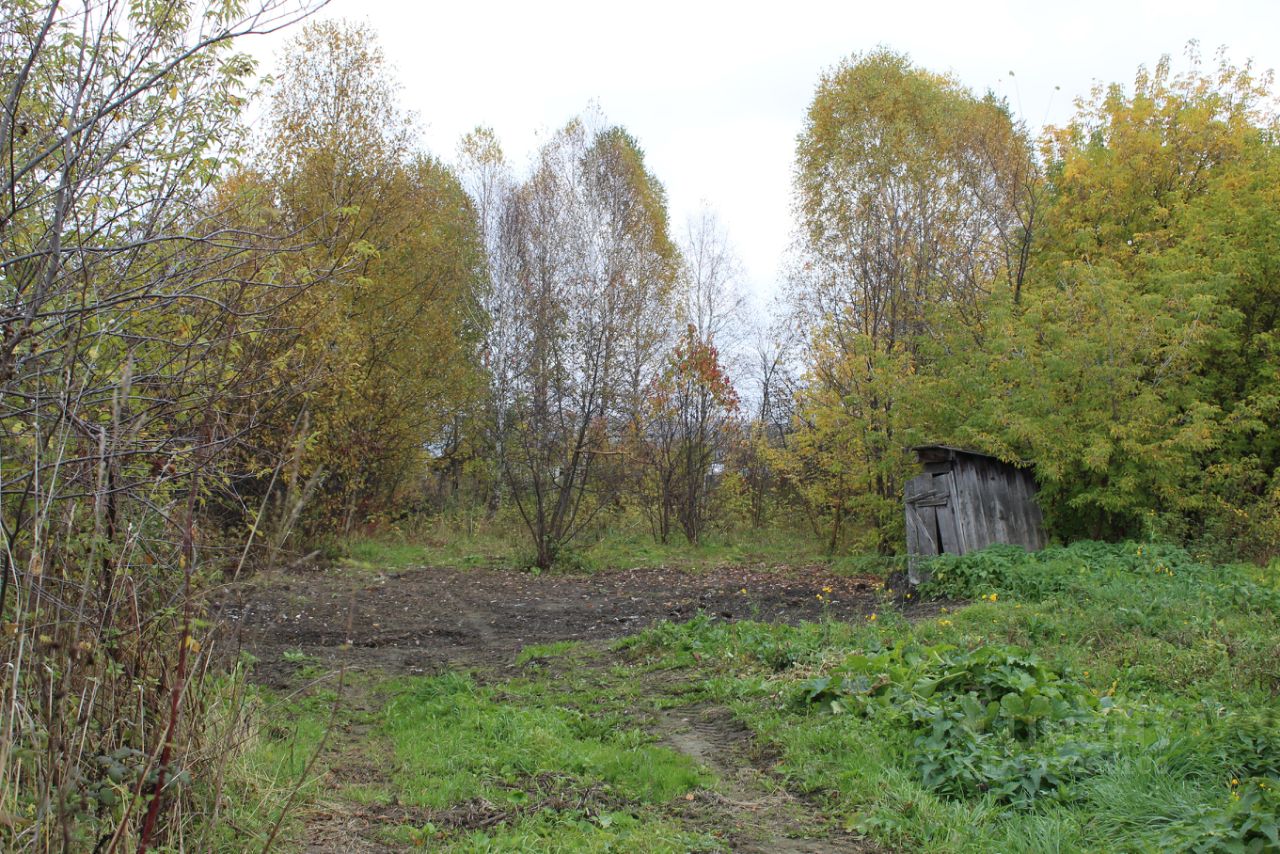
(427, 621)
(758, 813)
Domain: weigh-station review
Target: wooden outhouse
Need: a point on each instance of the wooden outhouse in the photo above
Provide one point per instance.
(966, 501)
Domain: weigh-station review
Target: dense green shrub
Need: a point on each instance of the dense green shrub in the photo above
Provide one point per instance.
(987, 720)
(1082, 569)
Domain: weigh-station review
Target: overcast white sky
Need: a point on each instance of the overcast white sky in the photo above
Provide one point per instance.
(716, 91)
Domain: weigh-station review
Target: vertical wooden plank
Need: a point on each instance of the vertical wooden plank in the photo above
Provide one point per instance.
(948, 538)
(921, 526)
(971, 516)
(949, 541)
(1017, 529)
(1004, 503)
(1021, 530)
(999, 501)
(929, 544)
(913, 522)
(912, 488)
(921, 544)
(1037, 537)
(920, 535)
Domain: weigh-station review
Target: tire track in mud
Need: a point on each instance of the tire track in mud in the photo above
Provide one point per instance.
(748, 805)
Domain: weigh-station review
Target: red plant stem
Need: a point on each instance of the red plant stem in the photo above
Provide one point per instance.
(175, 698)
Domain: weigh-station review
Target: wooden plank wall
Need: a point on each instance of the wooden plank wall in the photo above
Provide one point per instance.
(995, 503)
(965, 503)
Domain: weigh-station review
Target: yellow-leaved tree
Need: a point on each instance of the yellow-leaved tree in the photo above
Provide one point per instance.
(916, 200)
(387, 342)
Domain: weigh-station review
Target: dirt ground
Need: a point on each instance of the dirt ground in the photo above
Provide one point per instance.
(429, 620)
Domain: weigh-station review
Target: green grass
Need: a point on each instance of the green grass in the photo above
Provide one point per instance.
(633, 546)
(467, 539)
(538, 750)
(537, 651)
(569, 833)
(388, 552)
(1090, 698)
(267, 766)
(623, 543)
(1172, 663)
(456, 740)
(560, 755)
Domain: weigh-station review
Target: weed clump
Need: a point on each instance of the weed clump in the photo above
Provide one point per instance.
(990, 720)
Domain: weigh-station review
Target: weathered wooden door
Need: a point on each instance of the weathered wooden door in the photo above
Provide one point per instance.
(931, 520)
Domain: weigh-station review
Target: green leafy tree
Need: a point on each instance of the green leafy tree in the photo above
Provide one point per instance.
(124, 305)
(913, 195)
(1139, 371)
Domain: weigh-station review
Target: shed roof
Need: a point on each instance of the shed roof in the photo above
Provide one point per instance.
(946, 453)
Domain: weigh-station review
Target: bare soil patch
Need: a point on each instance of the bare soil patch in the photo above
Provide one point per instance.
(427, 620)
